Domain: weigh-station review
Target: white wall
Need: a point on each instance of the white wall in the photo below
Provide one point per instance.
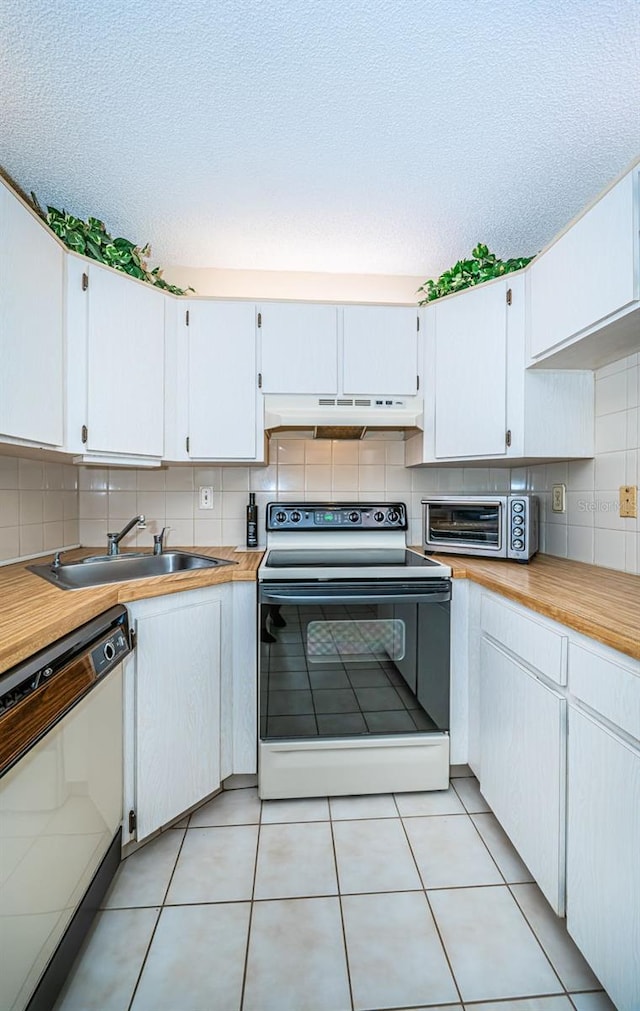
(591, 529)
(38, 507)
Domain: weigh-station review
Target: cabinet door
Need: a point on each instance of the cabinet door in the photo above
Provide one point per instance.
(31, 341)
(471, 373)
(588, 274)
(299, 348)
(603, 863)
(177, 707)
(125, 365)
(222, 383)
(523, 742)
(380, 350)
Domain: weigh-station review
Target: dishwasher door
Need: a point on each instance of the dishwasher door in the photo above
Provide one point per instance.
(60, 808)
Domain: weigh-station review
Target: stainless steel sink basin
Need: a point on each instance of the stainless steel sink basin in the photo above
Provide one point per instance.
(101, 569)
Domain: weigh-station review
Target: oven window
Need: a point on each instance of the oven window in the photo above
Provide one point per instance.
(472, 523)
(348, 670)
(355, 641)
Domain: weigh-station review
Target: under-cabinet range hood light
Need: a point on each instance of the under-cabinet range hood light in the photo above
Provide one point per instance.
(341, 417)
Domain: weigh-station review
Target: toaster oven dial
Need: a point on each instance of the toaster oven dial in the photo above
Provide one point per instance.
(518, 507)
(518, 520)
(518, 544)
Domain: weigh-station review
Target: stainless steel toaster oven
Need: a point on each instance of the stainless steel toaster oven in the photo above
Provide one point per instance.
(495, 526)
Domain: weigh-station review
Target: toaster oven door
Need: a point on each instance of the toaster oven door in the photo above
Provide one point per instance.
(469, 526)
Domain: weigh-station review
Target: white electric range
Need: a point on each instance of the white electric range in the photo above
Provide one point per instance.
(354, 654)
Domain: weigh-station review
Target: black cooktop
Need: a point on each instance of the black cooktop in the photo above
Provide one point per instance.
(337, 557)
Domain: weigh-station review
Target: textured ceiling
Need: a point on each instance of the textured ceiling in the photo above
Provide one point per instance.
(323, 135)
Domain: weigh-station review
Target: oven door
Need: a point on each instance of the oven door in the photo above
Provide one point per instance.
(354, 687)
(466, 525)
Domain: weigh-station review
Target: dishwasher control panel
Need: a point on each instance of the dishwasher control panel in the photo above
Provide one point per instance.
(109, 652)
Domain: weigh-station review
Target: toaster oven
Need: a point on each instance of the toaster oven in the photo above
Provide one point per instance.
(495, 526)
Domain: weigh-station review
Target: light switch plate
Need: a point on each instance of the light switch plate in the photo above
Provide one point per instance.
(206, 497)
(629, 501)
(558, 497)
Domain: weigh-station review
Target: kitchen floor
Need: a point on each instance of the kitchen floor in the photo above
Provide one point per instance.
(407, 901)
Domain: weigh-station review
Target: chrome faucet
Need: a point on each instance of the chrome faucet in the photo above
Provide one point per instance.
(158, 542)
(114, 539)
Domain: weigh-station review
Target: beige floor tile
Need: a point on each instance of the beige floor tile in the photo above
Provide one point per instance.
(492, 951)
(296, 957)
(143, 878)
(411, 805)
(528, 1004)
(215, 865)
(592, 1001)
(374, 856)
(395, 955)
(502, 850)
(231, 807)
(295, 860)
(314, 809)
(380, 805)
(449, 852)
(469, 793)
(551, 931)
(107, 970)
(196, 960)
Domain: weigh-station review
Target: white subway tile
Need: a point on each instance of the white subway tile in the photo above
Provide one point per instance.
(394, 453)
(451, 479)
(31, 539)
(207, 476)
(70, 477)
(612, 367)
(372, 454)
(71, 532)
(557, 473)
(632, 552)
(397, 478)
(580, 543)
(610, 470)
(70, 505)
(556, 539)
(122, 503)
(151, 504)
(180, 533)
(264, 478)
(475, 479)
(317, 477)
(633, 387)
(344, 478)
(207, 533)
(581, 475)
(607, 515)
(31, 507)
(519, 479)
(93, 479)
(151, 480)
(9, 475)
(179, 479)
(9, 542)
(424, 479)
(580, 509)
(53, 506)
(317, 452)
(234, 505)
(371, 477)
(52, 536)
(290, 478)
(30, 475)
(609, 548)
(611, 433)
(9, 509)
(235, 479)
(345, 453)
(633, 428)
(122, 479)
(179, 505)
(234, 533)
(611, 394)
(53, 476)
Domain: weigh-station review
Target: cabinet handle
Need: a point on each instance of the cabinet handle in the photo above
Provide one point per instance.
(259, 380)
(507, 437)
(509, 296)
(187, 443)
(186, 318)
(85, 434)
(259, 320)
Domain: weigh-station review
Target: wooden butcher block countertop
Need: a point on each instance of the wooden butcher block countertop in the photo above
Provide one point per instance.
(34, 613)
(601, 603)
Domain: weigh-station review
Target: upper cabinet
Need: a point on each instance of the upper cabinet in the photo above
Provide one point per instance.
(31, 327)
(480, 403)
(213, 407)
(299, 347)
(584, 290)
(115, 333)
(380, 353)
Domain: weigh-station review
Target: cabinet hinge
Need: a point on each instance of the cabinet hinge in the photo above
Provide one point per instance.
(132, 638)
(417, 382)
(85, 282)
(85, 433)
(133, 822)
(259, 320)
(259, 380)
(187, 443)
(507, 437)
(417, 322)
(509, 296)
(186, 318)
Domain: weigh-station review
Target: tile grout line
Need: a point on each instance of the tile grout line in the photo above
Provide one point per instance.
(431, 912)
(155, 928)
(526, 919)
(251, 903)
(344, 932)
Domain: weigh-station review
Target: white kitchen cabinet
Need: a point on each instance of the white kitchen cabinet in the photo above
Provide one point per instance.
(115, 365)
(190, 700)
(584, 289)
(213, 408)
(481, 403)
(603, 847)
(299, 347)
(31, 327)
(523, 743)
(380, 350)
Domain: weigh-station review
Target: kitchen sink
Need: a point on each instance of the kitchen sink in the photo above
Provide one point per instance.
(101, 569)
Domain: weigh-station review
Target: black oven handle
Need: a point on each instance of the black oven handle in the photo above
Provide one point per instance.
(357, 594)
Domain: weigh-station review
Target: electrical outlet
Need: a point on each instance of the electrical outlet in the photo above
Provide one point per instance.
(558, 493)
(629, 500)
(206, 496)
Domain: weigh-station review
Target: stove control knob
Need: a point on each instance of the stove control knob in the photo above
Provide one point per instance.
(281, 517)
(295, 516)
(378, 517)
(354, 517)
(393, 516)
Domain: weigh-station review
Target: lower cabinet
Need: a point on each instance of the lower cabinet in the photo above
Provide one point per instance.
(523, 742)
(603, 855)
(190, 713)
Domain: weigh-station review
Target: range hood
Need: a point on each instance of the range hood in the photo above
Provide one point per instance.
(341, 417)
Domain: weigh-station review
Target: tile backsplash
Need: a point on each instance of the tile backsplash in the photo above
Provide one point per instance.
(591, 529)
(298, 469)
(40, 502)
(38, 507)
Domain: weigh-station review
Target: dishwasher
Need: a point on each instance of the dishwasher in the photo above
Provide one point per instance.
(60, 803)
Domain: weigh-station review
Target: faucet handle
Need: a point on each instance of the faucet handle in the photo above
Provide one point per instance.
(56, 561)
(158, 542)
